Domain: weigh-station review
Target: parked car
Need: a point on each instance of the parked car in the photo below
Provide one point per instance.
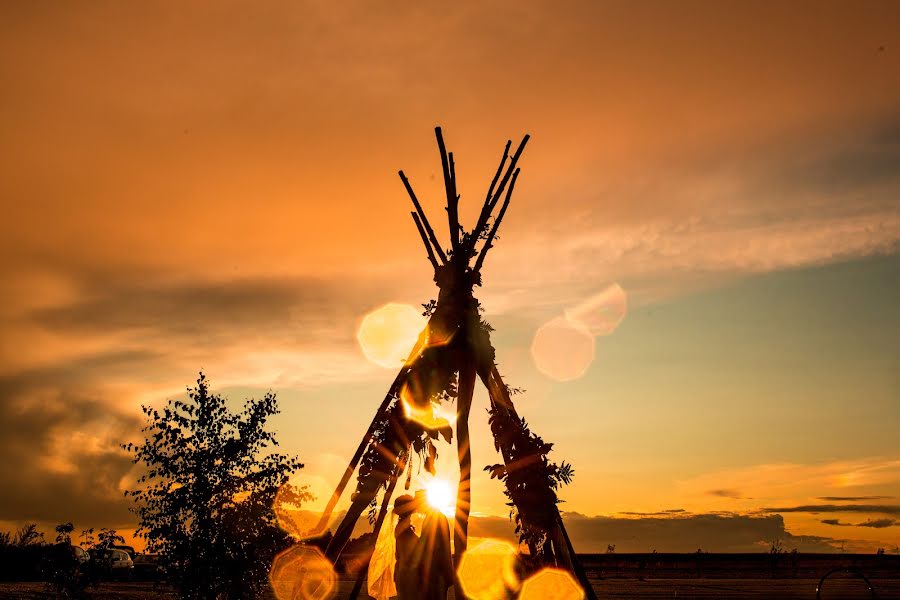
(128, 549)
(111, 563)
(148, 567)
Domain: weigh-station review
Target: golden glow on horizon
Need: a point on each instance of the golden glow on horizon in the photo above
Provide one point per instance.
(487, 570)
(302, 573)
(387, 334)
(551, 584)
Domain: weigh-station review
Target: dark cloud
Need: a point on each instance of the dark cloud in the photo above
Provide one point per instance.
(887, 509)
(836, 522)
(727, 493)
(210, 311)
(878, 523)
(59, 454)
(868, 158)
(660, 513)
(684, 533)
(61, 422)
(852, 498)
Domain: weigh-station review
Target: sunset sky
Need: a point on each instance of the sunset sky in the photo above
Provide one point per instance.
(213, 185)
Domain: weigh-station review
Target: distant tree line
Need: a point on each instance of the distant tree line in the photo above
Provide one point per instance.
(25, 554)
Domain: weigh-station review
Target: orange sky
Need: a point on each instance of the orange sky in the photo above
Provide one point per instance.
(214, 186)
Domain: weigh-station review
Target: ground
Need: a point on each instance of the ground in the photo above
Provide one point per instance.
(610, 589)
(652, 576)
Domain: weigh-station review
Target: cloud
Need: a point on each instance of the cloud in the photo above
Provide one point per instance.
(685, 533)
(59, 442)
(249, 246)
(888, 509)
(736, 495)
(852, 498)
(836, 522)
(661, 513)
(878, 523)
(131, 339)
(800, 481)
(209, 311)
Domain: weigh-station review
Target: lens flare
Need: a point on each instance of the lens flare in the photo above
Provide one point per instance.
(602, 312)
(551, 584)
(562, 349)
(302, 573)
(387, 334)
(488, 570)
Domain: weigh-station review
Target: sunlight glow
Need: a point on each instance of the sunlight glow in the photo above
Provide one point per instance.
(551, 584)
(302, 573)
(562, 349)
(488, 570)
(387, 334)
(440, 496)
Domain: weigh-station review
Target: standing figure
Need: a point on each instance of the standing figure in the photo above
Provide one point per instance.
(407, 574)
(436, 558)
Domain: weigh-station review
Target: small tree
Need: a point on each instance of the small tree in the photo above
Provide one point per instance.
(64, 533)
(87, 538)
(107, 538)
(60, 565)
(205, 500)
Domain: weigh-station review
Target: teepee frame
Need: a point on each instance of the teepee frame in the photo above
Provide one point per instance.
(452, 351)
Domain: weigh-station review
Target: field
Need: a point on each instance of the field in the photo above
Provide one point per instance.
(654, 576)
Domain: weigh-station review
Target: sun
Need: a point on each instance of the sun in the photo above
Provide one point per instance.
(440, 496)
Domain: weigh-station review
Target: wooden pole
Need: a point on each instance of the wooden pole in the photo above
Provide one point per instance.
(366, 440)
(484, 214)
(496, 226)
(575, 563)
(425, 241)
(425, 223)
(464, 452)
(492, 200)
(450, 186)
(563, 550)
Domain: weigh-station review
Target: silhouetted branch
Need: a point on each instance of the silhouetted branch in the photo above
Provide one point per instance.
(490, 238)
(450, 186)
(424, 240)
(425, 223)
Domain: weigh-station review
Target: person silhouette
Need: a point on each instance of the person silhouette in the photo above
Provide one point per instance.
(407, 574)
(433, 551)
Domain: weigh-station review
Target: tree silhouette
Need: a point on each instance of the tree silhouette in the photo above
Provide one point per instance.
(64, 532)
(205, 500)
(107, 538)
